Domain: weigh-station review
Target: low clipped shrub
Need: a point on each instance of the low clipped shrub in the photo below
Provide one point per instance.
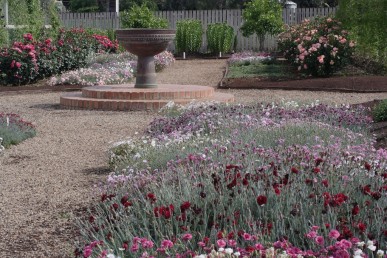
(189, 36)
(248, 181)
(317, 47)
(220, 37)
(13, 130)
(379, 113)
(142, 17)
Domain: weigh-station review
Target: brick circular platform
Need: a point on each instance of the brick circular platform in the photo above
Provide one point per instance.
(126, 97)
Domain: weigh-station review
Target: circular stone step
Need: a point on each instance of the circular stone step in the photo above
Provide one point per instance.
(164, 91)
(119, 98)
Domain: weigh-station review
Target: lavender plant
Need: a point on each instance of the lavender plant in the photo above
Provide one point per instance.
(13, 130)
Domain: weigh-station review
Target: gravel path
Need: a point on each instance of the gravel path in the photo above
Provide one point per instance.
(45, 181)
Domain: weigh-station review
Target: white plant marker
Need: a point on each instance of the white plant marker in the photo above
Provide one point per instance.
(220, 54)
(183, 55)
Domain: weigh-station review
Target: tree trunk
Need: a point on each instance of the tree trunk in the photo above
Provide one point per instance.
(261, 39)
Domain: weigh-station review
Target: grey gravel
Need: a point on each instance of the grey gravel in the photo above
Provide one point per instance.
(47, 180)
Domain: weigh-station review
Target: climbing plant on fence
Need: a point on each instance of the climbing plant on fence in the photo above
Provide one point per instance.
(189, 36)
(28, 16)
(220, 37)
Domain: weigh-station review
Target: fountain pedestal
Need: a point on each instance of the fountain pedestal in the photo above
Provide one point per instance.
(145, 44)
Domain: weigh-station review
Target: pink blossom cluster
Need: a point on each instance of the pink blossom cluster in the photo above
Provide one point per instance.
(318, 47)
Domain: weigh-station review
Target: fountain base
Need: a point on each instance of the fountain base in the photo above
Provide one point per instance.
(128, 98)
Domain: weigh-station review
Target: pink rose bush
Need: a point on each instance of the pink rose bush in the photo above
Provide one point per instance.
(27, 61)
(317, 47)
(244, 181)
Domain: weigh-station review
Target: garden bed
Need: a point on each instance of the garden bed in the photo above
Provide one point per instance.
(339, 84)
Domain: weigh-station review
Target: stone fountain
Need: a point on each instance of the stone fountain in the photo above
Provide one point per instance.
(145, 94)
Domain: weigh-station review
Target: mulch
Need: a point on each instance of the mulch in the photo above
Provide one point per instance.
(361, 84)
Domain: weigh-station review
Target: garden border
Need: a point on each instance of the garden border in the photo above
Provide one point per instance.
(356, 84)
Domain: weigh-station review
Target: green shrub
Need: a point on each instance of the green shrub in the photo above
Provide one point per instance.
(142, 17)
(189, 36)
(14, 130)
(380, 111)
(365, 19)
(220, 37)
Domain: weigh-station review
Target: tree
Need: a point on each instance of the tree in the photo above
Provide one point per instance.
(262, 17)
(84, 6)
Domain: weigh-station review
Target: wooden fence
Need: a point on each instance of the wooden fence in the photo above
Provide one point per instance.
(110, 20)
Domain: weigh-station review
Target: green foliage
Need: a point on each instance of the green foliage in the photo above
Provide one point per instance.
(14, 130)
(262, 17)
(380, 111)
(84, 6)
(142, 17)
(366, 20)
(29, 17)
(220, 37)
(189, 36)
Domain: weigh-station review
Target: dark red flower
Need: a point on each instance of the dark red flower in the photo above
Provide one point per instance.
(294, 170)
(366, 189)
(127, 204)
(245, 182)
(318, 161)
(308, 181)
(277, 191)
(115, 206)
(325, 182)
(231, 235)
(355, 210)
(103, 197)
(250, 249)
(232, 184)
(124, 199)
(376, 195)
(367, 166)
(151, 197)
(91, 219)
(203, 194)
(232, 166)
(316, 170)
(327, 225)
(261, 200)
(219, 235)
(361, 226)
(125, 245)
(185, 206)
(167, 214)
